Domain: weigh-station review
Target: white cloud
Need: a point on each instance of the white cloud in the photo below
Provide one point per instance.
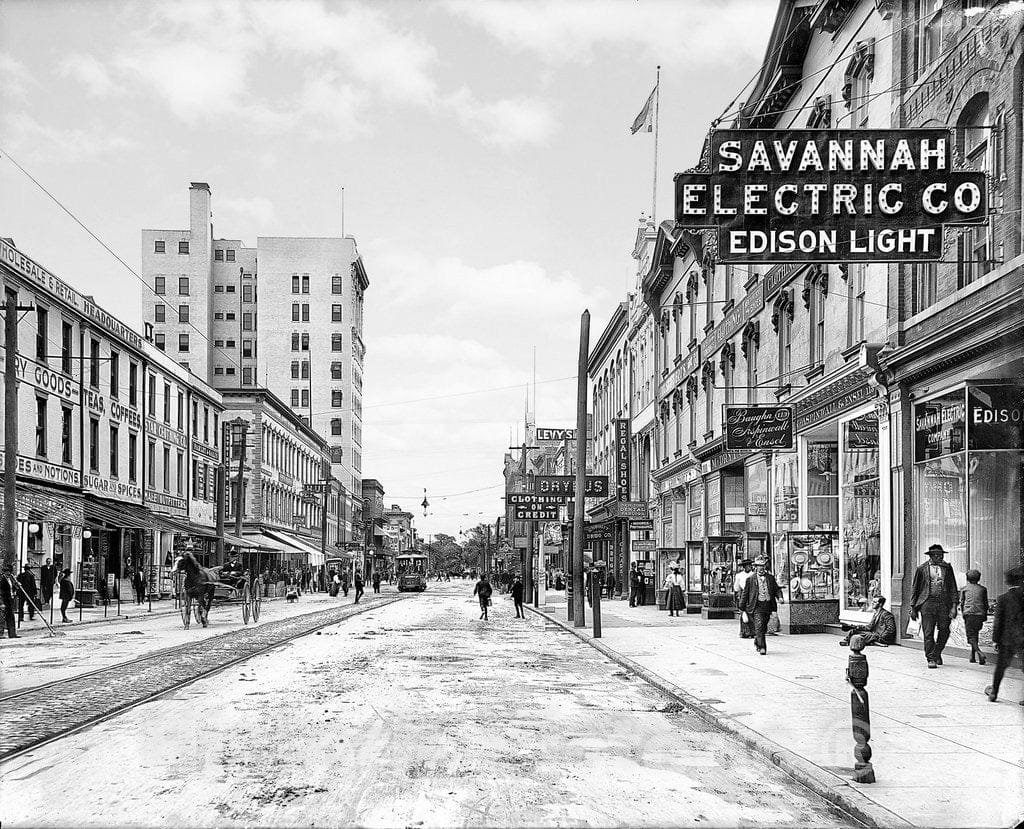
(257, 213)
(88, 71)
(698, 31)
(43, 142)
(17, 80)
(505, 123)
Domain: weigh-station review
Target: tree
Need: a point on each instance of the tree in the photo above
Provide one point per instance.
(476, 539)
(446, 553)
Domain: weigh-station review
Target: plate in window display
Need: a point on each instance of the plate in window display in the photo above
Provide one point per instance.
(799, 558)
(824, 559)
(806, 584)
(794, 585)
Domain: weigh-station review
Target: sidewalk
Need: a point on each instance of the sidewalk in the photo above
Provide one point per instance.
(943, 755)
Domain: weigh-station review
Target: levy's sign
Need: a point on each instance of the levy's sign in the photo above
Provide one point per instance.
(546, 434)
(754, 428)
(830, 195)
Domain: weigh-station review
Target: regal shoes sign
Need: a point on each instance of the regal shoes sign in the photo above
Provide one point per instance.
(830, 195)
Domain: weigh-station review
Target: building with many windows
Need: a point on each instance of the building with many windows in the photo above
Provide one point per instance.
(208, 302)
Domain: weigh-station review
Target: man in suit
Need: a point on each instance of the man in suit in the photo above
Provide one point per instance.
(29, 593)
(738, 583)
(935, 598)
(634, 580)
(881, 630)
(1008, 628)
(47, 579)
(8, 592)
(761, 595)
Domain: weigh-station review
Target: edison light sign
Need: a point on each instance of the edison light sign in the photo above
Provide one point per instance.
(830, 195)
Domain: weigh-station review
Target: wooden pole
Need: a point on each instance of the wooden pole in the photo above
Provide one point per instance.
(10, 539)
(578, 601)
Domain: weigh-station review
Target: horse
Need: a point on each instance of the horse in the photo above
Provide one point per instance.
(200, 583)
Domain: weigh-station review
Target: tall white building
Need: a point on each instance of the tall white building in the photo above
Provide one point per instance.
(286, 315)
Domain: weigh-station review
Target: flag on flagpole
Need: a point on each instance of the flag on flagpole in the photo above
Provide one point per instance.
(645, 120)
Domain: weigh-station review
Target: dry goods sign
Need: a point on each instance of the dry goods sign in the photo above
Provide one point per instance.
(830, 195)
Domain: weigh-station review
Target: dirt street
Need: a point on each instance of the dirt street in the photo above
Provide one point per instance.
(414, 714)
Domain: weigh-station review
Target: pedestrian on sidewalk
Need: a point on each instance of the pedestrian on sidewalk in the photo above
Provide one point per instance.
(139, 583)
(761, 595)
(344, 583)
(482, 590)
(359, 586)
(934, 598)
(609, 584)
(517, 597)
(881, 630)
(67, 593)
(738, 583)
(376, 582)
(674, 584)
(47, 579)
(974, 607)
(29, 593)
(1008, 628)
(634, 584)
(8, 591)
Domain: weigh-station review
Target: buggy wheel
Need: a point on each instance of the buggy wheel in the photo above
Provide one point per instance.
(186, 610)
(246, 602)
(257, 601)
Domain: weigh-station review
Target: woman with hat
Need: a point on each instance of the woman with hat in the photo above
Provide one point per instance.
(674, 586)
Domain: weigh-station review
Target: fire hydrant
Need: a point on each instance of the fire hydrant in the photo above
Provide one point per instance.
(857, 677)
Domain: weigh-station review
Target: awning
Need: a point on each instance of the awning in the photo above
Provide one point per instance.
(100, 512)
(268, 545)
(41, 504)
(314, 555)
(233, 540)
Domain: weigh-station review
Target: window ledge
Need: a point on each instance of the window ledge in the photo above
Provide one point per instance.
(817, 371)
(709, 327)
(709, 435)
(751, 281)
(692, 344)
(852, 351)
(782, 391)
(678, 359)
(678, 453)
(728, 306)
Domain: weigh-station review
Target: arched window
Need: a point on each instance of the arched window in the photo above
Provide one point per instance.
(974, 254)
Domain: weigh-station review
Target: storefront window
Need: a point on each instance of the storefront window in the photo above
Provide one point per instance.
(808, 566)
(757, 496)
(942, 518)
(695, 499)
(822, 485)
(861, 538)
(713, 490)
(735, 508)
(787, 491)
(994, 495)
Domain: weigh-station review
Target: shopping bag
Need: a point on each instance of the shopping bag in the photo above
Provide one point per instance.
(914, 628)
(774, 625)
(744, 617)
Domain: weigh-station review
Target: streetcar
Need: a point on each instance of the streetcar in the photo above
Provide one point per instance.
(411, 569)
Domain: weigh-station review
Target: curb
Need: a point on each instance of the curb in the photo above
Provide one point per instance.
(827, 785)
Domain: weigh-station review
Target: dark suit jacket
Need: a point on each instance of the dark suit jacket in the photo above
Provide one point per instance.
(1008, 625)
(921, 579)
(748, 601)
(28, 583)
(47, 577)
(884, 624)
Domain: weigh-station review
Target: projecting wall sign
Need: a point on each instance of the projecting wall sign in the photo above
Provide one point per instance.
(830, 195)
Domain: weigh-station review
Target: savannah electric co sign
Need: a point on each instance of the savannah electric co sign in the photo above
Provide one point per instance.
(830, 195)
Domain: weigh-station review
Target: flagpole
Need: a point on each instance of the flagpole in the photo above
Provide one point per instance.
(654, 186)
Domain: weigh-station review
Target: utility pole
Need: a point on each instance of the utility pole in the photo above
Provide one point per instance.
(325, 473)
(581, 473)
(528, 558)
(487, 550)
(10, 539)
(243, 428)
(219, 483)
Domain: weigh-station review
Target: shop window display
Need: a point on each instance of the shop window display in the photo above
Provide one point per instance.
(807, 566)
(714, 506)
(822, 485)
(861, 538)
(757, 497)
(787, 490)
(735, 508)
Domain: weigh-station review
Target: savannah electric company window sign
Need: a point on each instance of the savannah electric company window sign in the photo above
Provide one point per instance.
(830, 195)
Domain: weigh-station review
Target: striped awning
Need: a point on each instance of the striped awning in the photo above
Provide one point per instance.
(38, 503)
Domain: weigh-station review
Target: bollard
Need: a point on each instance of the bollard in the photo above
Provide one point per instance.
(596, 586)
(857, 677)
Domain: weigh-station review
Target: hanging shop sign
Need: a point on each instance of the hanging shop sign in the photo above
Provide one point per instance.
(524, 498)
(559, 435)
(629, 509)
(643, 545)
(995, 417)
(796, 195)
(758, 427)
(595, 487)
(641, 524)
(597, 532)
(622, 472)
(535, 511)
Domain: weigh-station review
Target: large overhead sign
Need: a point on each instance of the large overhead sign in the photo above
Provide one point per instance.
(595, 487)
(796, 195)
(754, 428)
(545, 434)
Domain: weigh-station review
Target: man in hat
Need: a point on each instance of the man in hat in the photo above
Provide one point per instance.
(8, 590)
(634, 584)
(47, 579)
(881, 630)
(761, 595)
(29, 593)
(738, 583)
(1008, 628)
(935, 598)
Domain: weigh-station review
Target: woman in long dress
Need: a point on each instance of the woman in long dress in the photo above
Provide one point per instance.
(674, 585)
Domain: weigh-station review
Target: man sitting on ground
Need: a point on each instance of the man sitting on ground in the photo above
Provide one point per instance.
(880, 631)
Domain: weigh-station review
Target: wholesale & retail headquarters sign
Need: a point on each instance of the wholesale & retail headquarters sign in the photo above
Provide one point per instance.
(796, 195)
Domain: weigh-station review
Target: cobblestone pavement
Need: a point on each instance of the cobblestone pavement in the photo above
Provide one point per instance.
(28, 718)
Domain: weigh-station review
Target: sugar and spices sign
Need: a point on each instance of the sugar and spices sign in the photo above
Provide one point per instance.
(830, 195)
(758, 427)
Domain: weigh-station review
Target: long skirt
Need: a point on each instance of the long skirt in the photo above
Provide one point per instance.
(675, 598)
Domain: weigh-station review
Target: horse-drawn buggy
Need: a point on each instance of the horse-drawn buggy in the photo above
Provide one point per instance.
(229, 582)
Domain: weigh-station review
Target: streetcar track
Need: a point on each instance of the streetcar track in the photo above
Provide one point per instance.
(21, 712)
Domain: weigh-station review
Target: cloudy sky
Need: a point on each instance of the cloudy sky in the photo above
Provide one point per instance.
(490, 177)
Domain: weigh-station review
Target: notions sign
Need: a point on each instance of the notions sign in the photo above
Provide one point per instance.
(758, 427)
(542, 433)
(830, 195)
(622, 438)
(595, 487)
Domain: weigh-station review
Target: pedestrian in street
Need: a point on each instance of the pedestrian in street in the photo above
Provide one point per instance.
(335, 584)
(675, 600)
(47, 579)
(641, 587)
(609, 584)
(738, 583)
(974, 607)
(634, 582)
(482, 590)
(29, 593)
(359, 586)
(934, 598)
(344, 583)
(517, 597)
(1008, 628)
(67, 593)
(376, 582)
(8, 591)
(761, 595)
(881, 630)
(139, 583)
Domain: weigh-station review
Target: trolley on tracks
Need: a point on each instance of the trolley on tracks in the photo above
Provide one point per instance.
(199, 586)
(412, 572)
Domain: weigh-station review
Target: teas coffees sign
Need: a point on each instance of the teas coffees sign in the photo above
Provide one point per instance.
(796, 195)
(757, 428)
